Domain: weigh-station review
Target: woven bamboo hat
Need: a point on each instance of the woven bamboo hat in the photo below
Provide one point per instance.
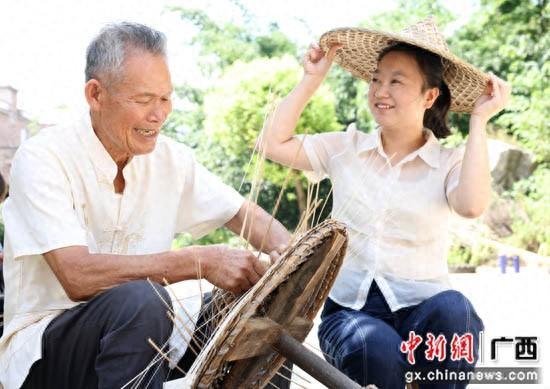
(361, 47)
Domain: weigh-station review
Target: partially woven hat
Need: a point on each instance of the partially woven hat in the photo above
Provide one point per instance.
(361, 48)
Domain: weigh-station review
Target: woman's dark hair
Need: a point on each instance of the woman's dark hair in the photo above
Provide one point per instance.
(3, 189)
(431, 66)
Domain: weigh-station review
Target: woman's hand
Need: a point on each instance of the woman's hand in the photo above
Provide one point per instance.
(316, 62)
(493, 100)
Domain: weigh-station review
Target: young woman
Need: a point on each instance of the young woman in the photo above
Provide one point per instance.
(395, 189)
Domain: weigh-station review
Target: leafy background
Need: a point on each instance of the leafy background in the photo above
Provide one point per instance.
(250, 67)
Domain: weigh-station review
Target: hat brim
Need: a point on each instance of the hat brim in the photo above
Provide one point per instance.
(361, 48)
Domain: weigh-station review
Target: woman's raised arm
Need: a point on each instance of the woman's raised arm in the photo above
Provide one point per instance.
(278, 141)
(471, 196)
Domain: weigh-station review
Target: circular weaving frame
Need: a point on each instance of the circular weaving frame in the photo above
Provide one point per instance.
(311, 254)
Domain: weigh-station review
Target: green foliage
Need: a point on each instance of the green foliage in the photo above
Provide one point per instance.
(531, 217)
(510, 38)
(222, 45)
(251, 69)
(274, 43)
(409, 12)
(474, 255)
(350, 99)
(456, 139)
(235, 112)
(236, 108)
(219, 236)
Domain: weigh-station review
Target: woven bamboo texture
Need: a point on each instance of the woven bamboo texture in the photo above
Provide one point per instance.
(291, 280)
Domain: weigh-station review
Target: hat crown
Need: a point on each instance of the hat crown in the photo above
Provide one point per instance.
(426, 32)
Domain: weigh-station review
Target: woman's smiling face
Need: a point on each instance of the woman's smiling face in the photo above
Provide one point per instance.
(396, 93)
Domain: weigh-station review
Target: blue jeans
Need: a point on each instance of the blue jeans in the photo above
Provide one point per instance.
(365, 344)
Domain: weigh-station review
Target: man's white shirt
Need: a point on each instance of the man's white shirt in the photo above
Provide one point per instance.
(62, 194)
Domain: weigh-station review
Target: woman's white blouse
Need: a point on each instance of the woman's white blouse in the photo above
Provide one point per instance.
(397, 216)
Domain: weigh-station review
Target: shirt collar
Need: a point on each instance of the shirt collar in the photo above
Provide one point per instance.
(95, 149)
(429, 152)
(369, 141)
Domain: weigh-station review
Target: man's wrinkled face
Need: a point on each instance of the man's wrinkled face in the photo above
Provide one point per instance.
(133, 108)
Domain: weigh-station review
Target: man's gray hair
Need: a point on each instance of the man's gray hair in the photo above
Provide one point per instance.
(106, 53)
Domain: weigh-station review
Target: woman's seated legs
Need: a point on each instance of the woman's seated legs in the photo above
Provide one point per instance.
(447, 313)
(363, 347)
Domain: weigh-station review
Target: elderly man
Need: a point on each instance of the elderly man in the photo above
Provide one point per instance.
(92, 212)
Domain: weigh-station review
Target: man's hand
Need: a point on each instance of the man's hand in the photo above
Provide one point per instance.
(231, 269)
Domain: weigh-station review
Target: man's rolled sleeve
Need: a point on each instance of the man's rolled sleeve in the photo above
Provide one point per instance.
(39, 213)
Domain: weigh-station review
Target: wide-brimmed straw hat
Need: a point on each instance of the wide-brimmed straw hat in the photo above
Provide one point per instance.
(362, 46)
